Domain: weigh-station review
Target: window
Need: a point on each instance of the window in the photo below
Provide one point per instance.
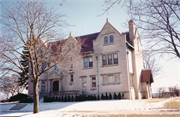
(117, 78)
(84, 85)
(105, 79)
(112, 59)
(43, 82)
(105, 40)
(104, 60)
(43, 89)
(93, 82)
(85, 62)
(111, 79)
(111, 39)
(115, 58)
(56, 68)
(88, 62)
(72, 78)
(109, 59)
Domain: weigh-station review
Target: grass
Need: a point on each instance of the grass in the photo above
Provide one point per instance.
(174, 104)
(155, 100)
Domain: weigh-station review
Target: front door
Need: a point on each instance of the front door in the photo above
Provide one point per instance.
(56, 86)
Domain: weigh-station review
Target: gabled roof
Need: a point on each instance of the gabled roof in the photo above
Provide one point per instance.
(87, 41)
(146, 76)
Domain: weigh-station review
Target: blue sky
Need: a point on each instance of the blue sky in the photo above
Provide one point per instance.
(83, 18)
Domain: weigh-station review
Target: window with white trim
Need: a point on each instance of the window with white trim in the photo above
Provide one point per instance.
(111, 79)
(84, 84)
(88, 62)
(105, 79)
(117, 78)
(110, 59)
(93, 79)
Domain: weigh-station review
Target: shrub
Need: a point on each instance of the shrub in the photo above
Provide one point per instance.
(65, 99)
(98, 97)
(106, 97)
(110, 96)
(94, 98)
(27, 100)
(18, 97)
(69, 99)
(62, 98)
(72, 98)
(59, 99)
(119, 95)
(102, 96)
(115, 96)
(123, 95)
(76, 98)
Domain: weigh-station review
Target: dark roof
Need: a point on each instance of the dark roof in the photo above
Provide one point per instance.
(86, 40)
(56, 46)
(146, 76)
(128, 38)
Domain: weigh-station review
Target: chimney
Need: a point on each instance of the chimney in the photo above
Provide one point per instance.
(131, 29)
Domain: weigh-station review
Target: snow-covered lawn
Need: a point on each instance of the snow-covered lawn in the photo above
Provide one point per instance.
(60, 108)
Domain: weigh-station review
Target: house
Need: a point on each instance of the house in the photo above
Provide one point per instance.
(110, 62)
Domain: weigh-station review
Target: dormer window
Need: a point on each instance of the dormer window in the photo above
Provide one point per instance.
(105, 40)
(111, 39)
(108, 40)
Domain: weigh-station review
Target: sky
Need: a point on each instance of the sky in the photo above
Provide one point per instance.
(85, 17)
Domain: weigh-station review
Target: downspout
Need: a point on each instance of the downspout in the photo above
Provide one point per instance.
(96, 55)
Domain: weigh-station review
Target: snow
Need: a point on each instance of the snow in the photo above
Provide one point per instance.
(60, 108)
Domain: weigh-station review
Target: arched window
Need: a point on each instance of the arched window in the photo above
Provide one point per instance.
(105, 40)
(111, 39)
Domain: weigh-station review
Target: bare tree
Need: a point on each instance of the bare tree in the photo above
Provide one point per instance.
(32, 24)
(151, 63)
(159, 21)
(10, 85)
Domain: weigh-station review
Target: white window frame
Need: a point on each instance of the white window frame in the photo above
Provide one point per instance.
(88, 61)
(107, 59)
(93, 81)
(83, 81)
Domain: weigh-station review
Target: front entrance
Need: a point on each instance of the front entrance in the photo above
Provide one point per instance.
(56, 86)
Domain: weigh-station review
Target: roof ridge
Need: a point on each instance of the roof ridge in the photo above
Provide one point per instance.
(88, 34)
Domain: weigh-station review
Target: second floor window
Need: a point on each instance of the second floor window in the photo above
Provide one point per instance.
(110, 59)
(88, 62)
